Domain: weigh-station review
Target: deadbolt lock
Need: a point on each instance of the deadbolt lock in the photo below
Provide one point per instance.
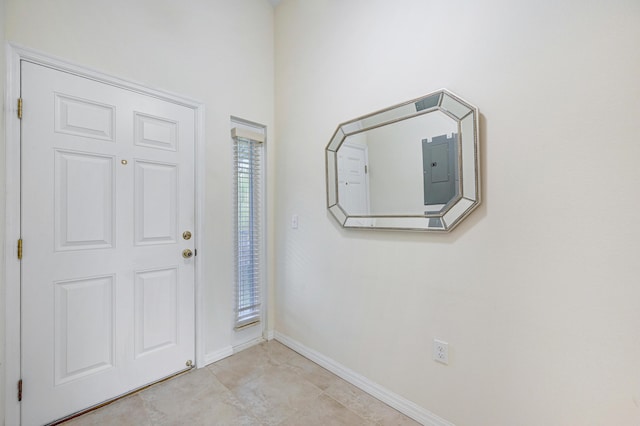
(186, 235)
(186, 253)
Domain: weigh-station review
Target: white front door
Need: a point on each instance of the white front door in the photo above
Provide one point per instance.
(107, 192)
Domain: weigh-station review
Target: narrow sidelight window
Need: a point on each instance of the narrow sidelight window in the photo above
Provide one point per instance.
(248, 143)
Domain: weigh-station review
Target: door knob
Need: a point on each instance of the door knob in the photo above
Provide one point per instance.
(187, 253)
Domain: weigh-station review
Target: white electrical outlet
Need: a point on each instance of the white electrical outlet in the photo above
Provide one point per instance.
(441, 351)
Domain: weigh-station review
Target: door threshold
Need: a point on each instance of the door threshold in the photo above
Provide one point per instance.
(118, 398)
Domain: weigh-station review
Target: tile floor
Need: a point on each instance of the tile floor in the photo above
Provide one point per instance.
(267, 384)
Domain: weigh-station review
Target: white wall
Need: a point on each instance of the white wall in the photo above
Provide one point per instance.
(2, 208)
(537, 291)
(217, 51)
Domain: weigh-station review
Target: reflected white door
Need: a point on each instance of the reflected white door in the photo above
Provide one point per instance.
(107, 190)
(353, 188)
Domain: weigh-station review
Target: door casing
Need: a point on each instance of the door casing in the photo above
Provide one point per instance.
(12, 275)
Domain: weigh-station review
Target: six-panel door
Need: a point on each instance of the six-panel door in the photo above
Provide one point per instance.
(107, 190)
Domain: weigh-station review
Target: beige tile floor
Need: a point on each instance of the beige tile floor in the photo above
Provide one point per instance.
(267, 384)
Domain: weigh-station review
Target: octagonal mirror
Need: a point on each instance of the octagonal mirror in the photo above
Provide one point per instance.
(412, 166)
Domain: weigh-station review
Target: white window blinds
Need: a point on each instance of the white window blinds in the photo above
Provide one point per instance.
(248, 153)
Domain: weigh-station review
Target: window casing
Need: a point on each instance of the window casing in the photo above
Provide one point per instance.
(248, 157)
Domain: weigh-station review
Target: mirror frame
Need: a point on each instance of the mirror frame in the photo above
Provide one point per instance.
(467, 198)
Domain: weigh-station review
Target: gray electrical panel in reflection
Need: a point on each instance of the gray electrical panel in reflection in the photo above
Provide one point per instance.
(439, 159)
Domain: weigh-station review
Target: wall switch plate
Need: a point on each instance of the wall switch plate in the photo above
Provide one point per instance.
(294, 221)
(441, 351)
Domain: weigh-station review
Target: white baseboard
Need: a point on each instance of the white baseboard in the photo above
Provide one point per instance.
(212, 357)
(392, 399)
(247, 345)
(270, 335)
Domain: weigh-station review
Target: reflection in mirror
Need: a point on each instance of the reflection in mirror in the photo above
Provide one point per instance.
(411, 166)
(332, 197)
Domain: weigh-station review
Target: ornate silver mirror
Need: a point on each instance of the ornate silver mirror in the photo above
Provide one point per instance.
(413, 166)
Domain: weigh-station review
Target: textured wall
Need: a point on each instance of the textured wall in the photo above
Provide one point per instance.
(537, 291)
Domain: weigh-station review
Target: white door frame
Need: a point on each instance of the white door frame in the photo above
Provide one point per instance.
(365, 149)
(12, 343)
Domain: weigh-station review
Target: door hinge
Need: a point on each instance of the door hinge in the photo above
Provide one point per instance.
(366, 169)
(20, 248)
(20, 108)
(19, 390)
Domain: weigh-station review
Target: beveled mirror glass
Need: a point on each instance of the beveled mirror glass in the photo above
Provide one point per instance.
(413, 166)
